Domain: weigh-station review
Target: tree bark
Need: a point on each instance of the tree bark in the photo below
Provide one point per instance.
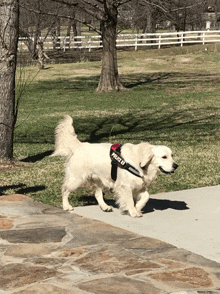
(109, 79)
(9, 12)
(55, 33)
(74, 25)
(216, 15)
(36, 36)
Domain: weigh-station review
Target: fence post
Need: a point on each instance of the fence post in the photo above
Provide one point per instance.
(89, 43)
(203, 38)
(64, 44)
(181, 40)
(136, 42)
(68, 42)
(159, 42)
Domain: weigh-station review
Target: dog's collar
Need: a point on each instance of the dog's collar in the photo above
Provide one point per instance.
(118, 161)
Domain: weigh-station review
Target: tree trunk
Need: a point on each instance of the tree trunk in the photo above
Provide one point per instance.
(149, 21)
(150, 25)
(58, 32)
(72, 24)
(8, 54)
(41, 54)
(216, 15)
(68, 31)
(109, 79)
(27, 40)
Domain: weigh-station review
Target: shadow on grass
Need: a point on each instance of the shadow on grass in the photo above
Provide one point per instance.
(22, 189)
(137, 125)
(153, 123)
(158, 125)
(170, 80)
(145, 79)
(37, 157)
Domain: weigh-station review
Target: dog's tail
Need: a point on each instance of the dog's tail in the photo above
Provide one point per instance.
(65, 138)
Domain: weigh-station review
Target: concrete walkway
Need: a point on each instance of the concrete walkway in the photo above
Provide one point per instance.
(187, 219)
(46, 250)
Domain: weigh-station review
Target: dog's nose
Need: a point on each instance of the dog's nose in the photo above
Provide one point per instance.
(175, 165)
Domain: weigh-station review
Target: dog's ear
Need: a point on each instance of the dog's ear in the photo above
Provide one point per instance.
(146, 154)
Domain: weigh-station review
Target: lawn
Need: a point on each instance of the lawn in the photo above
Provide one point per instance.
(173, 98)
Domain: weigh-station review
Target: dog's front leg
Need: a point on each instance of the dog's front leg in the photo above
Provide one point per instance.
(101, 202)
(126, 201)
(142, 200)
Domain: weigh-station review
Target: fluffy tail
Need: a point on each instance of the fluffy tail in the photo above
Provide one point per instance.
(65, 138)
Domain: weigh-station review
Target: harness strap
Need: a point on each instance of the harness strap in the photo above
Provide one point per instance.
(118, 161)
(115, 152)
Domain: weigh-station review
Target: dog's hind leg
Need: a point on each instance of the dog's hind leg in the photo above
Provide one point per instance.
(101, 202)
(65, 196)
(142, 200)
(67, 188)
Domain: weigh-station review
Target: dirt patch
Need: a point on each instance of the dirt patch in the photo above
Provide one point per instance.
(183, 59)
(59, 56)
(14, 166)
(85, 72)
(8, 167)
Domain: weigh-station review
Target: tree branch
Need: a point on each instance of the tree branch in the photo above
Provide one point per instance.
(66, 3)
(62, 16)
(79, 4)
(173, 10)
(120, 2)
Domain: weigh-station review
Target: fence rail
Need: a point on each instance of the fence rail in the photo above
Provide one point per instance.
(156, 40)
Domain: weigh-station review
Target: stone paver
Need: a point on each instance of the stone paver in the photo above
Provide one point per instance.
(46, 250)
(5, 223)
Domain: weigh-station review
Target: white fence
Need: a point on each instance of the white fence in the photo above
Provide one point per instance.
(156, 40)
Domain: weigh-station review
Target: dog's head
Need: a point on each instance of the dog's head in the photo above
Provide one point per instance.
(163, 159)
(159, 156)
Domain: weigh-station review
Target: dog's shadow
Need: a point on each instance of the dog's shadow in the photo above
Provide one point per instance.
(158, 204)
(163, 204)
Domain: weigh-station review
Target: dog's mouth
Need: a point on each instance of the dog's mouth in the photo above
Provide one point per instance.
(166, 172)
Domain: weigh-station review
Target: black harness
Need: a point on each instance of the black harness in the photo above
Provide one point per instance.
(118, 161)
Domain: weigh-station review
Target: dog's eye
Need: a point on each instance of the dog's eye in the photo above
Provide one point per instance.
(164, 157)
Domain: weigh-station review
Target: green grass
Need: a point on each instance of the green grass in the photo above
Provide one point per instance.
(173, 99)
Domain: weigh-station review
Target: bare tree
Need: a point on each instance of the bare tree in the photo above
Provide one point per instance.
(9, 15)
(75, 26)
(33, 20)
(180, 13)
(106, 12)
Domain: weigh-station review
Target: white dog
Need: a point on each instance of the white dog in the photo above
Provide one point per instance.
(92, 163)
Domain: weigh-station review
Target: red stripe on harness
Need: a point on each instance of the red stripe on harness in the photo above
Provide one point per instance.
(115, 146)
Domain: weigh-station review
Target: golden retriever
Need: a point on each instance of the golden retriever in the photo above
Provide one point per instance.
(92, 163)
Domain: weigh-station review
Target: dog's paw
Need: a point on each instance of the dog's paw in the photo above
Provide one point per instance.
(68, 208)
(107, 208)
(139, 214)
(135, 213)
